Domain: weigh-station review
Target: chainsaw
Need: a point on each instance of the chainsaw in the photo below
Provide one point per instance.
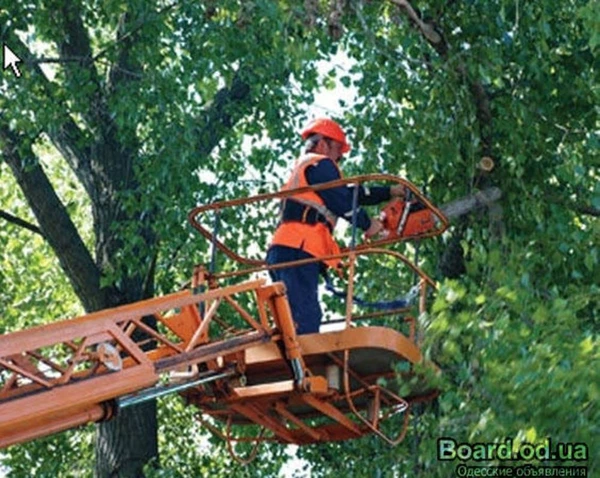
(406, 219)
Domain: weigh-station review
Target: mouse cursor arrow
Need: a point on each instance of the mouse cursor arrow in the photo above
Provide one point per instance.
(10, 59)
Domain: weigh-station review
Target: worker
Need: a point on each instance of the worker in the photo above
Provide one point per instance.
(308, 219)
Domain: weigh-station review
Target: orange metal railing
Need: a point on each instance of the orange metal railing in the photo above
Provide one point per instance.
(380, 396)
(196, 213)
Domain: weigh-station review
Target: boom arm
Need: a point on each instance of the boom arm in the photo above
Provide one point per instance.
(69, 373)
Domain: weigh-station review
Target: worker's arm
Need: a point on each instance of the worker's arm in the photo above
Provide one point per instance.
(368, 196)
(339, 200)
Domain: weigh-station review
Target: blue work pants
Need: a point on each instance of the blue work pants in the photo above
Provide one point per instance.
(302, 284)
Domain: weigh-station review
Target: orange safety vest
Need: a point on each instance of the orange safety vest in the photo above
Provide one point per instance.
(316, 239)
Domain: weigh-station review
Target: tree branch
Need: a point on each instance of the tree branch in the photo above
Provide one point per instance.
(577, 206)
(468, 204)
(452, 262)
(334, 19)
(223, 113)
(478, 92)
(73, 41)
(486, 198)
(428, 30)
(125, 34)
(110, 156)
(125, 62)
(587, 210)
(64, 133)
(20, 222)
(55, 223)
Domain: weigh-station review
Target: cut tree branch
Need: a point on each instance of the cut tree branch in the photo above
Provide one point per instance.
(486, 198)
(452, 262)
(468, 204)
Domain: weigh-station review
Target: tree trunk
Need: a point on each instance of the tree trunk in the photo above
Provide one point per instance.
(125, 445)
